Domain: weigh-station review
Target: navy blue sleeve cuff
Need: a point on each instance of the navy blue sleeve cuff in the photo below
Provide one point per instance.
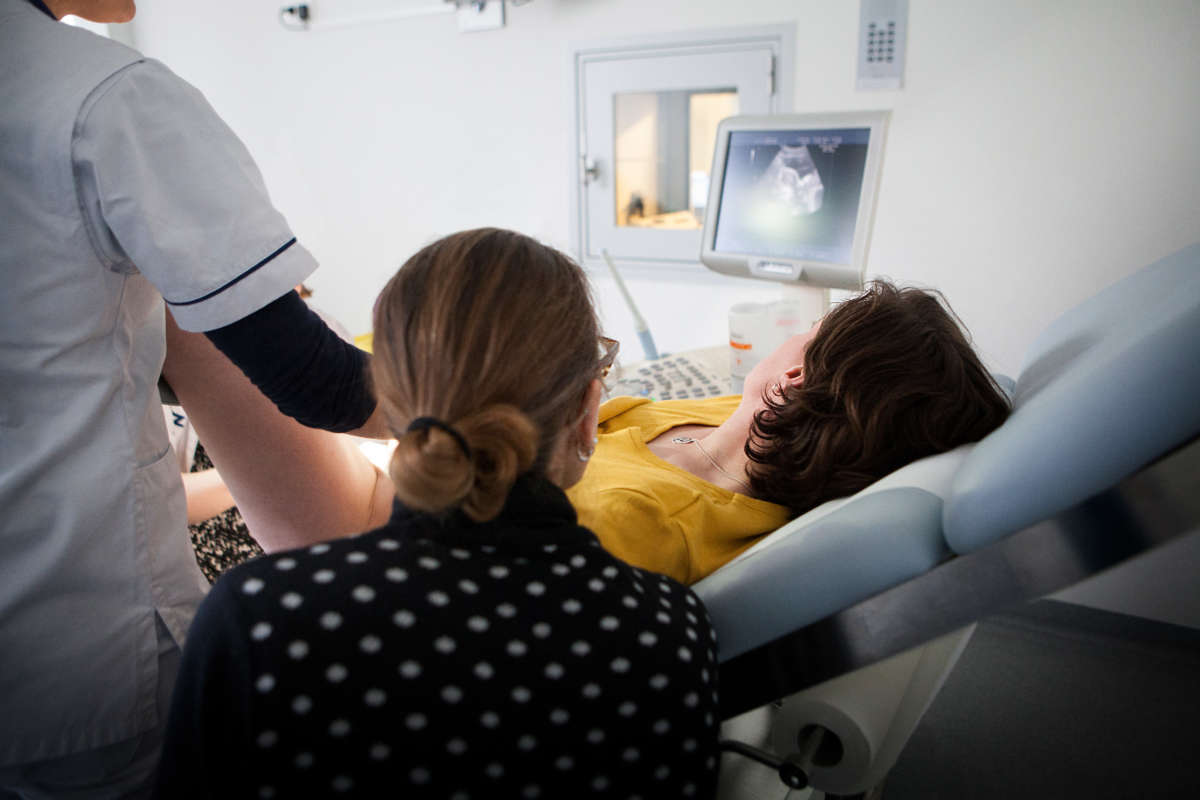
(306, 369)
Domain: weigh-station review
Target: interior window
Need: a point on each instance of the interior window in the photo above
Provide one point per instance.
(663, 154)
(646, 120)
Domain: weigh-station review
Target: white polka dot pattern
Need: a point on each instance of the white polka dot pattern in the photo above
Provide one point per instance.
(503, 660)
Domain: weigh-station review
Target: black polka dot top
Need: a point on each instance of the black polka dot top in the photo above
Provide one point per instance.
(514, 658)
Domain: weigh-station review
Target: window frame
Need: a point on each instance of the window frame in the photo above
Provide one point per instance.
(683, 258)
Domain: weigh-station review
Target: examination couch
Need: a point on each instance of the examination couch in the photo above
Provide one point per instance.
(837, 630)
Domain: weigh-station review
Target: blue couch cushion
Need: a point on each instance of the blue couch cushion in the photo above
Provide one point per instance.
(838, 554)
(1108, 387)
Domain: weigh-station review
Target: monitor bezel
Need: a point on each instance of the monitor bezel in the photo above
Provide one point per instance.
(819, 274)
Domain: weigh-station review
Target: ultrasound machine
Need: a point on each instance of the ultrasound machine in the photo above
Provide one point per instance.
(791, 199)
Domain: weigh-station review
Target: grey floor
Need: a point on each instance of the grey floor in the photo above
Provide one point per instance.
(1062, 701)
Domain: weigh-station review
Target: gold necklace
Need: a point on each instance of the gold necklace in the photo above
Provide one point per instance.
(713, 461)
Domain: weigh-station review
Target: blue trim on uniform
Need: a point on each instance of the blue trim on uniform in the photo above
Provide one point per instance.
(245, 274)
(40, 5)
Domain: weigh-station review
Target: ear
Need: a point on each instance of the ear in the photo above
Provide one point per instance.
(585, 429)
(791, 377)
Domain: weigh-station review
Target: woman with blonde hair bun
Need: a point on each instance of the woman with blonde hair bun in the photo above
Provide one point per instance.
(481, 643)
(486, 368)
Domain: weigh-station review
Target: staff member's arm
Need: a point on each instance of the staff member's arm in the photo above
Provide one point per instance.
(283, 346)
(294, 485)
(169, 191)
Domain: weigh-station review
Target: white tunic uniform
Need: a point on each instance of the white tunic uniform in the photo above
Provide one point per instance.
(119, 186)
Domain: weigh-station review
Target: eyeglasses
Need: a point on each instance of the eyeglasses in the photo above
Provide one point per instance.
(608, 354)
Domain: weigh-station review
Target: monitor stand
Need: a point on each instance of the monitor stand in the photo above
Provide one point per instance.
(807, 303)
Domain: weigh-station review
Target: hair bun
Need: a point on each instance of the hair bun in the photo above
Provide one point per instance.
(432, 473)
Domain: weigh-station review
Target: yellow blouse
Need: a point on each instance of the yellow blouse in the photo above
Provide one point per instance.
(655, 515)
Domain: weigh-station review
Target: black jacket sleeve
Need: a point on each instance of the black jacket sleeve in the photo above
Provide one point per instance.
(306, 369)
(208, 736)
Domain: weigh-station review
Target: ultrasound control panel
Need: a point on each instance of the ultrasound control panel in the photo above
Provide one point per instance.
(678, 377)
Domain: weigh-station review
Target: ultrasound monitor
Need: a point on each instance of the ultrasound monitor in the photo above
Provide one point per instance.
(792, 196)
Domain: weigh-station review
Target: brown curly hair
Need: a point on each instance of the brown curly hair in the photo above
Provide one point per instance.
(889, 377)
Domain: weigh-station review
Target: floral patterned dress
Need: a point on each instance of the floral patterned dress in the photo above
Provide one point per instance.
(222, 541)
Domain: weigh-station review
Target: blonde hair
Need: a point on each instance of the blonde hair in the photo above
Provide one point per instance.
(493, 334)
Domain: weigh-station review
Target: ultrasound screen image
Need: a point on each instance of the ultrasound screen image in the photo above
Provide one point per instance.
(792, 194)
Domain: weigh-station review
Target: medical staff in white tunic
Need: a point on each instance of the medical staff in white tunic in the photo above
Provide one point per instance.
(119, 186)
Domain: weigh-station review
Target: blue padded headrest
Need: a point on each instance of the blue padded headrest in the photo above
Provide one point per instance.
(836, 555)
(1108, 387)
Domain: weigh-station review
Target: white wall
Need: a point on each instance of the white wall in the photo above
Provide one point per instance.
(1039, 150)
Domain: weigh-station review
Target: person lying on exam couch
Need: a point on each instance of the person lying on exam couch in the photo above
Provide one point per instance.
(680, 487)
(481, 642)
